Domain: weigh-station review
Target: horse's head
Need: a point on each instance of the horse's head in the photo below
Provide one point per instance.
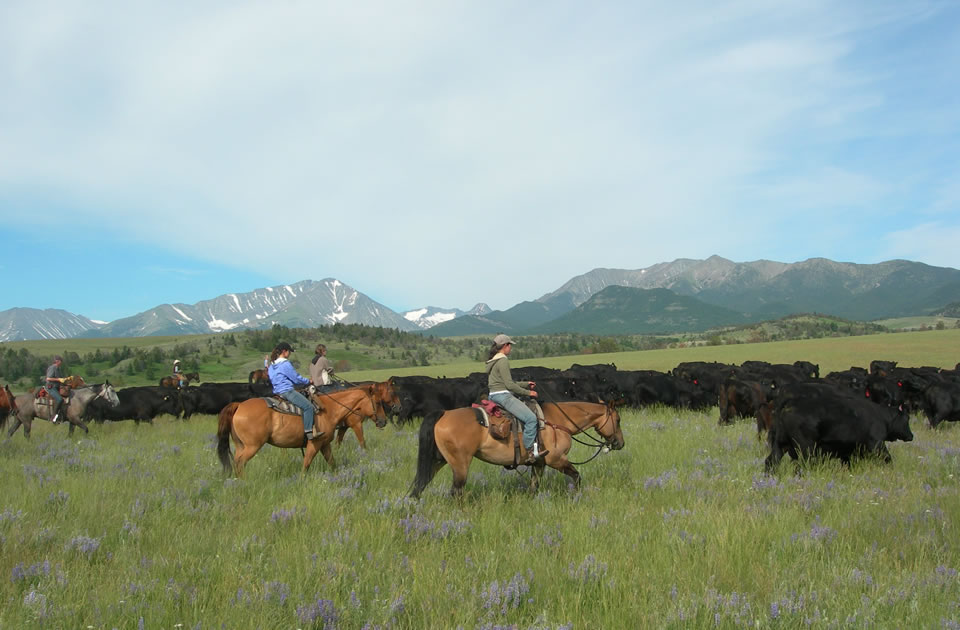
(388, 397)
(376, 404)
(609, 427)
(109, 394)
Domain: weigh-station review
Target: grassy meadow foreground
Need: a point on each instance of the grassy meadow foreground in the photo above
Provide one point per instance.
(134, 527)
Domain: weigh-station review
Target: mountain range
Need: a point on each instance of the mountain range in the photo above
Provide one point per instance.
(679, 296)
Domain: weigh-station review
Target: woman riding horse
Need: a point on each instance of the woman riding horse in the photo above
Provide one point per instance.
(252, 423)
(455, 437)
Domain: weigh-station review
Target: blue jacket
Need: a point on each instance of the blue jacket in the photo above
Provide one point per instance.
(284, 377)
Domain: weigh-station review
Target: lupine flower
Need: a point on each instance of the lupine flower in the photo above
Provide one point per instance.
(321, 613)
(590, 570)
(84, 544)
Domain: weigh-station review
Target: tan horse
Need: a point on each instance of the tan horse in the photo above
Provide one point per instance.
(455, 437)
(252, 424)
(389, 398)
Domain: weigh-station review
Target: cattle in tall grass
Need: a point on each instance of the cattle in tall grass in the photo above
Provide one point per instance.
(813, 418)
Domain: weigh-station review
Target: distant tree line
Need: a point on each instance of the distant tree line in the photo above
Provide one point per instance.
(389, 347)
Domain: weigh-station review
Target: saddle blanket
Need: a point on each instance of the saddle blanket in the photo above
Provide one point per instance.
(285, 406)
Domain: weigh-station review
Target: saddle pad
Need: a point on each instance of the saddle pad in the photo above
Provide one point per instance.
(483, 418)
(282, 405)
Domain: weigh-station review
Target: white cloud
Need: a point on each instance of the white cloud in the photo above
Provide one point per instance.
(377, 142)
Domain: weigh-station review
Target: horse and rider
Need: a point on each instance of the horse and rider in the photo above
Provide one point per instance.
(309, 424)
(457, 436)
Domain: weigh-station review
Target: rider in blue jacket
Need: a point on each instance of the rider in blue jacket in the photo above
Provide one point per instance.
(284, 378)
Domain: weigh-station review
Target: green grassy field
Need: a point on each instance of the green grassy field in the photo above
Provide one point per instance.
(131, 527)
(134, 527)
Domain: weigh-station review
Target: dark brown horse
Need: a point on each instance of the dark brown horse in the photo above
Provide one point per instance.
(259, 376)
(173, 381)
(252, 424)
(8, 405)
(455, 437)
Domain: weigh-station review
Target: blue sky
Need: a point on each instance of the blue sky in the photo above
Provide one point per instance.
(437, 153)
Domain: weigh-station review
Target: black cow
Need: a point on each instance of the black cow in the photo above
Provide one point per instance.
(141, 404)
(941, 401)
(882, 368)
(854, 378)
(421, 394)
(811, 418)
(210, 398)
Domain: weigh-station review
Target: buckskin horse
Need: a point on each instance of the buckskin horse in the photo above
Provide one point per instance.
(173, 381)
(29, 408)
(455, 437)
(252, 424)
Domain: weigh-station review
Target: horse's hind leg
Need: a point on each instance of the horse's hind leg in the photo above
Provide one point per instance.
(341, 431)
(459, 469)
(16, 425)
(244, 454)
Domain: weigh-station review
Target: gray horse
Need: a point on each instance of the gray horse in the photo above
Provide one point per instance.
(28, 408)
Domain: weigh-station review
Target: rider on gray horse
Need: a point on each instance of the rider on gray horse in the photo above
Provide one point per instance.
(52, 385)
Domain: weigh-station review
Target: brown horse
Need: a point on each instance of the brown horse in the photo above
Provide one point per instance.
(258, 376)
(8, 405)
(388, 398)
(252, 424)
(455, 437)
(173, 381)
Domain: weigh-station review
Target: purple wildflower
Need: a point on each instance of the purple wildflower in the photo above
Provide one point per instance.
(84, 544)
(590, 570)
(276, 591)
(507, 596)
(321, 613)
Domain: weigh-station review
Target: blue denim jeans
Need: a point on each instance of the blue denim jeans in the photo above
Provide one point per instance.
(305, 406)
(526, 417)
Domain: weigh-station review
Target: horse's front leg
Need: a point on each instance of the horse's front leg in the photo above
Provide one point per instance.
(536, 473)
(327, 453)
(308, 454)
(571, 472)
(358, 431)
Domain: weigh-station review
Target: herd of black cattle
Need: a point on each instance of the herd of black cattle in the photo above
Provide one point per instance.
(840, 414)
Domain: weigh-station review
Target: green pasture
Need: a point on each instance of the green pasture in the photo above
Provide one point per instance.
(940, 348)
(134, 527)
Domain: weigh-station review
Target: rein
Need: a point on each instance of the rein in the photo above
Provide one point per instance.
(599, 445)
(373, 403)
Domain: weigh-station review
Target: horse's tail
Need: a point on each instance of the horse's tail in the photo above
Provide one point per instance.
(428, 454)
(224, 428)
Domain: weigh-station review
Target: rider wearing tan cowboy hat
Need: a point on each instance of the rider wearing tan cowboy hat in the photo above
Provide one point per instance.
(503, 390)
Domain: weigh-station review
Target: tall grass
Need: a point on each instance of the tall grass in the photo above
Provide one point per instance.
(134, 527)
